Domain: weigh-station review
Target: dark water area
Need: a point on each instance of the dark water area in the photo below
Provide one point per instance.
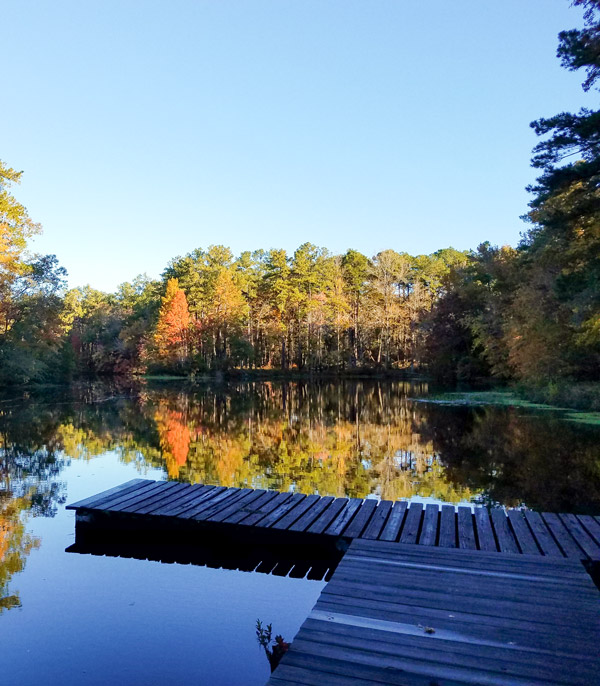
(87, 619)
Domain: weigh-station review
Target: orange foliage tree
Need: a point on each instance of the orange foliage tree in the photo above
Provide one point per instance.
(171, 335)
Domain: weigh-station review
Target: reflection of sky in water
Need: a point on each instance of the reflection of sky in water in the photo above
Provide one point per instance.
(101, 620)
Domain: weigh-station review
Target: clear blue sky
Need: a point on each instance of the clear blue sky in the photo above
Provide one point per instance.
(147, 129)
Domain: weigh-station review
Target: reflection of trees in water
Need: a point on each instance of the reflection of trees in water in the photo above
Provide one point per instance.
(515, 457)
(334, 438)
(30, 463)
(174, 438)
(15, 545)
(356, 438)
(339, 438)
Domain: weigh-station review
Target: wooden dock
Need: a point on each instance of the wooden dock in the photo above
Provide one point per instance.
(152, 505)
(396, 614)
(423, 596)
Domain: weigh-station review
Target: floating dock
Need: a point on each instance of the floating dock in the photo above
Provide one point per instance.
(142, 504)
(416, 596)
(406, 615)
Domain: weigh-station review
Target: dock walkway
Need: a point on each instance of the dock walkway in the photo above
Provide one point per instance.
(395, 614)
(421, 596)
(153, 504)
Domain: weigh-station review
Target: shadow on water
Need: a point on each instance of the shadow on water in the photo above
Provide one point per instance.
(216, 550)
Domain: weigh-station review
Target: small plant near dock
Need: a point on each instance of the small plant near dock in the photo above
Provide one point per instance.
(274, 649)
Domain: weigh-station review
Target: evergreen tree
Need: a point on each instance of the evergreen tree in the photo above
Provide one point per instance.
(561, 252)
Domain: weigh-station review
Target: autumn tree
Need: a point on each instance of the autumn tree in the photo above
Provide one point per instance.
(15, 227)
(226, 314)
(171, 335)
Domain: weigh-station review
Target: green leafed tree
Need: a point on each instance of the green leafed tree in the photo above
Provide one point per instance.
(558, 302)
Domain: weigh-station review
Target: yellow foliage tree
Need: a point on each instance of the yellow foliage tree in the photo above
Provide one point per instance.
(15, 228)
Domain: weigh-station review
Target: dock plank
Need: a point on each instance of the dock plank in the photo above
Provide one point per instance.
(421, 658)
(466, 531)
(282, 509)
(506, 540)
(325, 519)
(99, 498)
(341, 522)
(542, 535)
(296, 512)
(512, 584)
(119, 498)
(222, 496)
(522, 532)
(410, 530)
(361, 518)
(529, 665)
(434, 662)
(173, 507)
(472, 558)
(447, 537)
(542, 609)
(394, 523)
(581, 536)
(224, 508)
(251, 509)
(378, 520)
(266, 508)
(591, 526)
(561, 535)
(485, 533)
(429, 531)
(143, 496)
(238, 507)
(161, 498)
(311, 514)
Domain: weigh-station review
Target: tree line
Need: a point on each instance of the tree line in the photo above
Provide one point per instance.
(529, 314)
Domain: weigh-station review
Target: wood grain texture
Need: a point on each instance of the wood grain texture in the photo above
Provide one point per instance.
(398, 614)
(476, 529)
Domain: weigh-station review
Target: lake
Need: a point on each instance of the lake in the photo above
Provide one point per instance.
(83, 619)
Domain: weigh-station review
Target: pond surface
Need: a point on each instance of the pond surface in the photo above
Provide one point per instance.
(82, 619)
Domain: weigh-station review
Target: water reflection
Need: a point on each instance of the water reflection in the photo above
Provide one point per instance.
(344, 438)
(336, 438)
(15, 546)
(358, 438)
(29, 467)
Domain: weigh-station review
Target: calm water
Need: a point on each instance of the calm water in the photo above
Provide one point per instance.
(81, 619)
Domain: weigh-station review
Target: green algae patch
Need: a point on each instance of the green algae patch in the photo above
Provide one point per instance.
(508, 399)
(583, 417)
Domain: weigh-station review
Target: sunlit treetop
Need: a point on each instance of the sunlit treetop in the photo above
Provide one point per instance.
(15, 224)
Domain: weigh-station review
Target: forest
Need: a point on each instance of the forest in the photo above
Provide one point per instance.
(527, 315)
